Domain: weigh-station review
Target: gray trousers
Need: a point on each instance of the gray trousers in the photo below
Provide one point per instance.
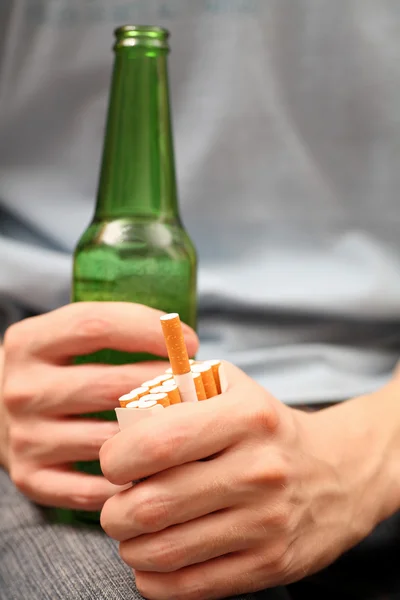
(43, 561)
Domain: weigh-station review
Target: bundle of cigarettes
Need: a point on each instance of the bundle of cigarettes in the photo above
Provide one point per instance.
(185, 381)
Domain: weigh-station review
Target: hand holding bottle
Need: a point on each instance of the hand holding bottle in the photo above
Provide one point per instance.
(44, 394)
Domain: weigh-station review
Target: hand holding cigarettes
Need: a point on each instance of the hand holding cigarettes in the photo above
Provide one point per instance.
(227, 487)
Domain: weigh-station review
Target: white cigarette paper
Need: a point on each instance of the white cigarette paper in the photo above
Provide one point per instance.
(186, 387)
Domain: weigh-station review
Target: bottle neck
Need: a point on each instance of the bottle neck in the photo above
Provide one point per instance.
(138, 168)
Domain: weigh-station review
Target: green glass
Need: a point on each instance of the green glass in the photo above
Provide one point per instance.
(136, 248)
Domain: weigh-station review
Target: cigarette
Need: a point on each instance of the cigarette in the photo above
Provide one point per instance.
(134, 404)
(173, 392)
(178, 356)
(198, 382)
(151, 383)
(162, 378)
(169, 371)
(160, 389)
(215, 365)
(140, 391)
(161, 399)
(208, 379)
(127, 398)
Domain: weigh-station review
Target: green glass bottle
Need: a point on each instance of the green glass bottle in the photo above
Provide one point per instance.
(136, 248)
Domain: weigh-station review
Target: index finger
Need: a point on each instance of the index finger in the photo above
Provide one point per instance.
(85, 327)
(174, 436)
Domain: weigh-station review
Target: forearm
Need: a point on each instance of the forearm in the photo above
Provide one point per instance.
(3, 425)
(362, 439)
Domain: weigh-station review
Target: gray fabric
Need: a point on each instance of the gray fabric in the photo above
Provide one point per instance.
(287, 121)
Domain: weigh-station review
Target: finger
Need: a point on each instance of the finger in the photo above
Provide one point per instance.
(184, 433)
(85, 327)
(222, 577)
(76, 390)
(191, 543)
(175, 496)
(57, 442)
(65, 489)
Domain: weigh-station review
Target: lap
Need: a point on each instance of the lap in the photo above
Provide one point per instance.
(43, 561)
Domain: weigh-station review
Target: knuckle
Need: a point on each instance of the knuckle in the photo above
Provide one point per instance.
(19, 438)
(88, 497)
(263, 416)
(185, 585)
(109, 386)
(269, 470)
(167, 555)
(188, 586)
(161, 448)
(93, 327)
(151, 514)
(279, 518)
(16, 393)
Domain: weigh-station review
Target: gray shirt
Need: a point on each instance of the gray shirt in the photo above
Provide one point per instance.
(287, 129)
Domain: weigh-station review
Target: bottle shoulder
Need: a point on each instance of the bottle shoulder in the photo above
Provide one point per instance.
(136, 236)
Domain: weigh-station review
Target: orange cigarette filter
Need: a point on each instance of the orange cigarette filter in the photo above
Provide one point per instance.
(207, 378)
(162, 378)
(140, 391)
(160, 389)
(146, 404)
(150, 384)
(215, 365)
(198, 383)
(175, 342)
(169, 371)
(127, 399)
(173, 392)
(161, 399)
(134, 404)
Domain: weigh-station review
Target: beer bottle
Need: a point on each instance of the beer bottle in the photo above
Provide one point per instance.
(136, 248)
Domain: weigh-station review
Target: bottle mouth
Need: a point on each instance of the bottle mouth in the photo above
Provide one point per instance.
(145, 36)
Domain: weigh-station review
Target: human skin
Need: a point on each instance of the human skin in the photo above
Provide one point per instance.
(243, 493)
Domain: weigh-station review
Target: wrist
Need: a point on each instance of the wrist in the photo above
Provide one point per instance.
(360, 439)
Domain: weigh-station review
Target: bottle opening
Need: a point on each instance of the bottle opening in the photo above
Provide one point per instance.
(142, 35)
